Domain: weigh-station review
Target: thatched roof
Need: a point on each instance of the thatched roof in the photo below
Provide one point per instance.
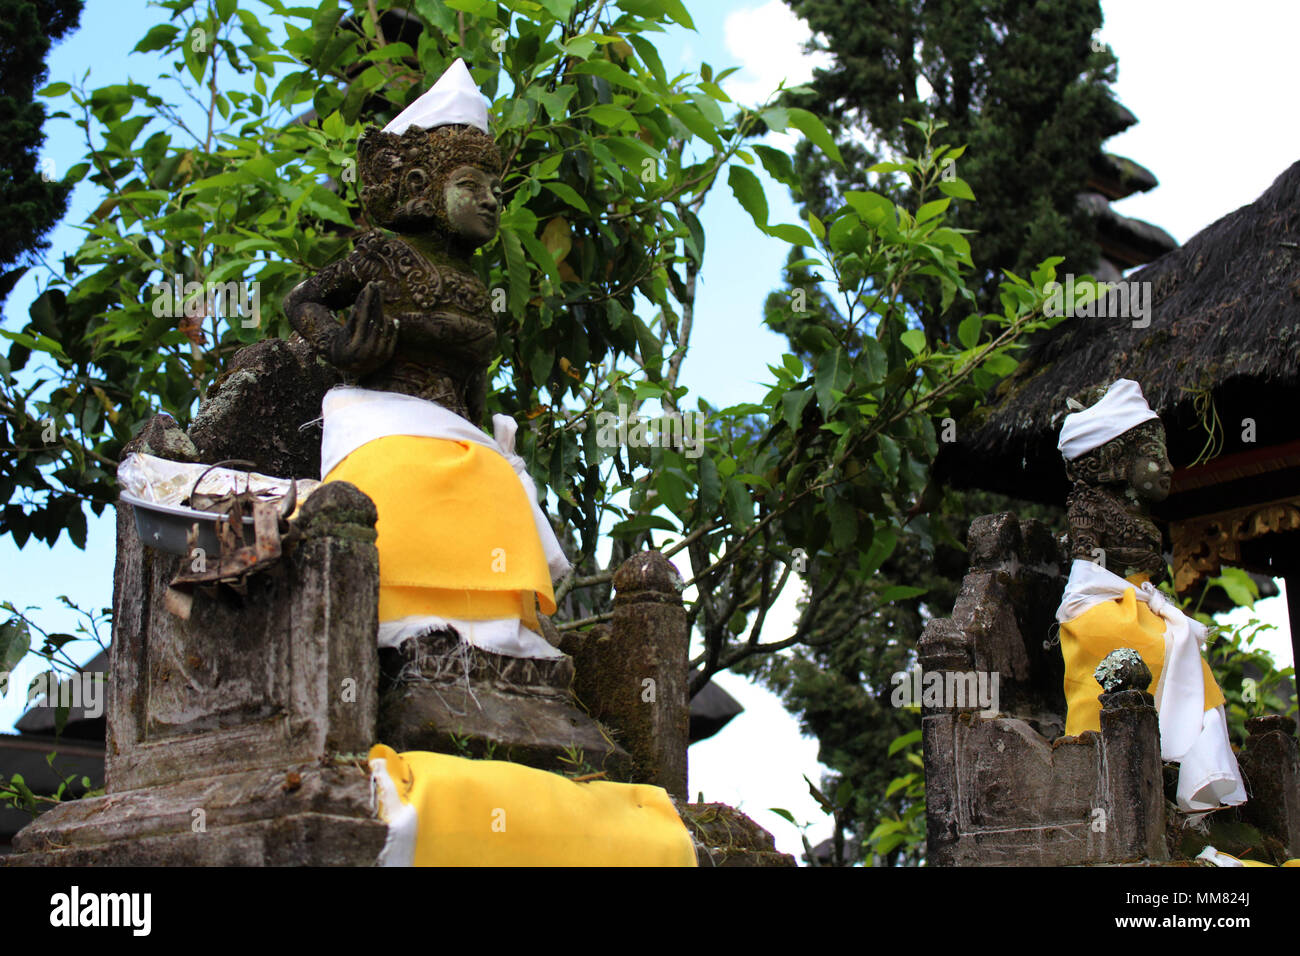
(1225, 316)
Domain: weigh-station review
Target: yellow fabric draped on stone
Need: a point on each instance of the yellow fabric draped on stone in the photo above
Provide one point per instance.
(496, 813)
(456, 534)
(1108, 625)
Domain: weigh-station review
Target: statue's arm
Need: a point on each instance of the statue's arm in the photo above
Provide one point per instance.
(361, 344)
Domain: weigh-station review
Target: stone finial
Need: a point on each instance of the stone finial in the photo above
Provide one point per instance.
(633, 676)
(1123, 669)
(648, 576)
(338, 509)
(163, 438)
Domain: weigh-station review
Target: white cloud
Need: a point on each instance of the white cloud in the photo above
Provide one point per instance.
(767, 42)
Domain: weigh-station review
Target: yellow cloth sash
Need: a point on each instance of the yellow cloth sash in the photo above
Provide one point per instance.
(495, 813)
(1088, 638)
(456, 532)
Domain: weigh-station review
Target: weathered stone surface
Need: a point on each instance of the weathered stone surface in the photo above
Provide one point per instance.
(163, 438)
(998, 790)
(286, 673)
(726, 837)
(237, 711)
(305, 815)
(632, 676)
(263, 407)
(442, 695)
(997, 793)
(1270, 763)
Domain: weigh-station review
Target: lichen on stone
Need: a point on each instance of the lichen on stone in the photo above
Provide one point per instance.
(1122, 669)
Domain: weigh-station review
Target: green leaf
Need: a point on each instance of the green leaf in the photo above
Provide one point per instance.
(1241, 590)
(749, 193)
(783, 814)
(957, 189)
(816, 131)
(569, 195)
(888, 457)
(832, 374)
(778, 164)
(795, 235)
(899, 592)
(739, 507)
(15, 642)
(710, 486)
(914, 339)
(672, 491)
(968, 332)
(874, 208)
(157, 38)
(906, 740)
(649, 56)
(792, 406)
(931, 209)
(55, 89)
(843, 517)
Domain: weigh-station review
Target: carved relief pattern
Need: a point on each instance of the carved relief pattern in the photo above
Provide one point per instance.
(1203, 545)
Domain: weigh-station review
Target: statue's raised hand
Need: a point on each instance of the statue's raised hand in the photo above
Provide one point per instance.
(368, 339)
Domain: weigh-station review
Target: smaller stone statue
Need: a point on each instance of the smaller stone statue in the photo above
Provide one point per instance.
(1115, 458)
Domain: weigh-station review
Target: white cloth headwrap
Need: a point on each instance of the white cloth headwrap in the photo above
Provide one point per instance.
(355, 416)
(1195, 737)
(1121, 408)
(453, 99)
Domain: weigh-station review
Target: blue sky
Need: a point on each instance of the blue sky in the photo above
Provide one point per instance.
(1212, 90)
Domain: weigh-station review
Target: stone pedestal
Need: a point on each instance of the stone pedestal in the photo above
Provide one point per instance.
(239, 735)
(442, 695)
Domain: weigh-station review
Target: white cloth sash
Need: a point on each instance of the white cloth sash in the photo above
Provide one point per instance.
(356, 416)
(1189, 734)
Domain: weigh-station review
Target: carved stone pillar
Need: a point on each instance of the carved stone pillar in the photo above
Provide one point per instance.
(1270, 762)
(1130, 740)
(238, 736)
(633, 676)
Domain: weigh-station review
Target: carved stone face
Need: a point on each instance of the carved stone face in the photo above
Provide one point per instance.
(1149, 472)
(472, 200)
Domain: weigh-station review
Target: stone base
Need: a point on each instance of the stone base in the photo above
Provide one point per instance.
(441, 695)
(298, 816)
(726, 837)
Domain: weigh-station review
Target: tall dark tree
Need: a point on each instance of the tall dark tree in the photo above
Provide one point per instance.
(1022, 85)
(32, 202)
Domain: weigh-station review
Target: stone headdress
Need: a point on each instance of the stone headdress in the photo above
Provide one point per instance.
(403, 166)
(1088, 436)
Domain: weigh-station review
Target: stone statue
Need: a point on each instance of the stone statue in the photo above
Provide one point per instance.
(1115, 457)
(1112, 487)
(419, 321)
(463, 542)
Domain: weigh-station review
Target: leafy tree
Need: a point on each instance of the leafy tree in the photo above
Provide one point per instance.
(609, 159)
(1024, 87)
(32, 199)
